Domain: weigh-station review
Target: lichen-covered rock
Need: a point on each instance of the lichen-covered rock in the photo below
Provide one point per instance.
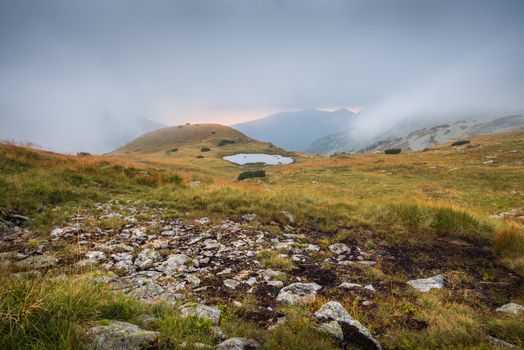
(174, 263)
(332, 328)
(339, 248)
(37, 262)
(511, 308)
(201, 311)
(426, 284)
(146, 258)
(298, 293)
(354, 332)
(230, 283)
(120, 336)
(239, 344)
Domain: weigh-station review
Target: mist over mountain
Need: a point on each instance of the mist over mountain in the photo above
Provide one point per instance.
(98, 134)
(416, 136)
(296, 130)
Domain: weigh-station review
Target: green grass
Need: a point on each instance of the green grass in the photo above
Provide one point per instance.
(411, 198)
(47, 313)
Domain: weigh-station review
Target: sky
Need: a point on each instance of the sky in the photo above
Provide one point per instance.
(68, 66)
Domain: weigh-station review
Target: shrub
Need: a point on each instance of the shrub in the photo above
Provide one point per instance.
(83, 154)
(460, 143)
(393, 151)
(225, 142)
(251, 173)
(205, 149)
(200, 156)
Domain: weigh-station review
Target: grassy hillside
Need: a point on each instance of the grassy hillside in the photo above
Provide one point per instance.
(191, 135)
(416, 214)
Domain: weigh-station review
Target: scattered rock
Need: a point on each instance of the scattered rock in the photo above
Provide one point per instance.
(121, 336)
(353, 331)
(96, 255)
(37, 262)
(289, 216)
(146, 258)
(174, 263)
(348, 285)
(298, 293)
(426, 284)
(249, 217)
(500, 343)
(339, 248)
(6, 229)
(231, 284)
(239, 344)
(202, 311)
(511, 308)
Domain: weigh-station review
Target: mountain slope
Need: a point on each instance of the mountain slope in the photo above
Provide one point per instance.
(194, 135)
(296, 130)
(411, 139)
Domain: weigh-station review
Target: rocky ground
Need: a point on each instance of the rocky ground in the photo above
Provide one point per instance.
(200, 264)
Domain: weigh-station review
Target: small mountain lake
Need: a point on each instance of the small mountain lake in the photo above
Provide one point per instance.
(250, 158)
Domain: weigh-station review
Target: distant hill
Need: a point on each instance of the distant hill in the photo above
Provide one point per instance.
(411, 139)
(194, 135)
(296, 130)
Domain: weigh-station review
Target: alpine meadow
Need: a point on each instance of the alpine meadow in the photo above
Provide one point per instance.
(261, 175)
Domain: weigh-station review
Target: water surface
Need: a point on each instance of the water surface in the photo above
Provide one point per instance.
(250, 158)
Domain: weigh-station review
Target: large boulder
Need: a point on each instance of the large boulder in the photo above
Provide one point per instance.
(353, 331)
(298, 293)
(426, 284)
(121, 336)
(239, 344)
(201, 311)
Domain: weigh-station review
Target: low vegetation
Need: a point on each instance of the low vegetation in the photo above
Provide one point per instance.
(250, 174)
(393, 151)
(460, 143)
(433, 211)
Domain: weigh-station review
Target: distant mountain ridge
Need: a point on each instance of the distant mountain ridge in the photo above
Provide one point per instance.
(416, 139)
(296, 130)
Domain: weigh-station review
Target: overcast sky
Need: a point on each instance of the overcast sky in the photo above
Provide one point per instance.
(67, 63)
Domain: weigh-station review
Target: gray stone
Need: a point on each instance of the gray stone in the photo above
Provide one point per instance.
(120, 336)
(349, 285)
(249, 217)
(339, 248)
(231, 284)
(37, 262)
(173, 263)
(96, 255)
(298, 293)
(194, 280)
(426, 284)
(201, 311)
(500, 343)
(239, 344)
(511, 308)
(289, 216)
(147, 255)
(333, 328)
(6, 229)
(276, 284)
(354, 332)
